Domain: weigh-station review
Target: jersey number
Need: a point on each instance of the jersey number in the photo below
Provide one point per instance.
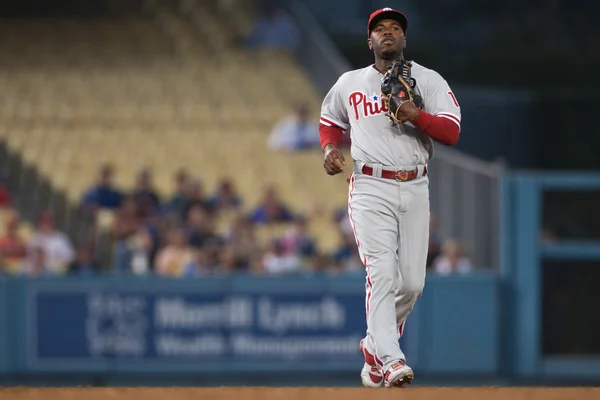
(454, 99)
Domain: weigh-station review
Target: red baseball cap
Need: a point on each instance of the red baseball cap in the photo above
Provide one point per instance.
(385, 13)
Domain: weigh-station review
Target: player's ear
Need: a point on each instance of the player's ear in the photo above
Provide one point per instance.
(405, 42)
(370, 44)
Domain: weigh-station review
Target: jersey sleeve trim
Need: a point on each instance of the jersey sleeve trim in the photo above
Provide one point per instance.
(449, 114)
(452, 117)
(332, 122)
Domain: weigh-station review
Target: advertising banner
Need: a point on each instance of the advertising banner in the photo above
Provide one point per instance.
(170, 329)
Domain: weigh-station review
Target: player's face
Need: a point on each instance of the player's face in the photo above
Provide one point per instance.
(387, 39)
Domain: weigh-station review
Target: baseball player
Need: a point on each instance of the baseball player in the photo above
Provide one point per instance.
(394, 110)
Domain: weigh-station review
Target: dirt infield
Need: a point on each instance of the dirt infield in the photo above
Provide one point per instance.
(414, 393)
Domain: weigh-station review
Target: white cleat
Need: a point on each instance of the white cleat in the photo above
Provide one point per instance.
(370, 375)
(398, 375)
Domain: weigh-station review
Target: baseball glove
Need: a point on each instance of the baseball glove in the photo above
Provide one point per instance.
(397, 89)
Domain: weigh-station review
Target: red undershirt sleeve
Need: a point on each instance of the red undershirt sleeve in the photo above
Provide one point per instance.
(442, 129)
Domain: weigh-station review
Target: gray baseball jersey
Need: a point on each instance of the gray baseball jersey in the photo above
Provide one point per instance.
(354, 103)
(390, 218)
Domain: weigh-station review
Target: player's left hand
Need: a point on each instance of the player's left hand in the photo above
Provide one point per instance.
(407, 112)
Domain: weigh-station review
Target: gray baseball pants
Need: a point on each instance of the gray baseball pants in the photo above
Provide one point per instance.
(390, 219)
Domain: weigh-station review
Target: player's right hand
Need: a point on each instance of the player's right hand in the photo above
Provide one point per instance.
(334, 161)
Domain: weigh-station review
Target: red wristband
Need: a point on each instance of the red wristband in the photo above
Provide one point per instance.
(330, 134)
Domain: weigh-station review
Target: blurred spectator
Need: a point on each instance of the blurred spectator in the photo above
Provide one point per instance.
(317, 264)
(177, 201)
(194, 196)
(299, 241)
(84, 263)
(37, 264)
(257, 264)
(346, 257)
(103, 194)
(58, 251)
(141, 252)
(242, 237)
(127, 219)
(200, 231)
(452, 260)
(277, 261)
(197, 225)
(295, 132)
(214, 245)
(275, 29)
(341, 218)
(172, 259)
(271, 209)
(435, 241)
(13, 248)
(229, 262)
(225, 198)
(201, 264)
(126, 224)
(5, 197)
(144, 194)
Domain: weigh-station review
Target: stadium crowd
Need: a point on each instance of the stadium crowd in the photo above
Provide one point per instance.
(192, 234)
(184, 235)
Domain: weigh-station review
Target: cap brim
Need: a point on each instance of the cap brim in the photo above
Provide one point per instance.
(391, 14)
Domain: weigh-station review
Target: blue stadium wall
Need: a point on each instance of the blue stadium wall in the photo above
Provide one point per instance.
(481, 328)
(82, 330)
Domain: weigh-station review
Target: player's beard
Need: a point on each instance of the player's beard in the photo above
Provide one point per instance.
(390, 54)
